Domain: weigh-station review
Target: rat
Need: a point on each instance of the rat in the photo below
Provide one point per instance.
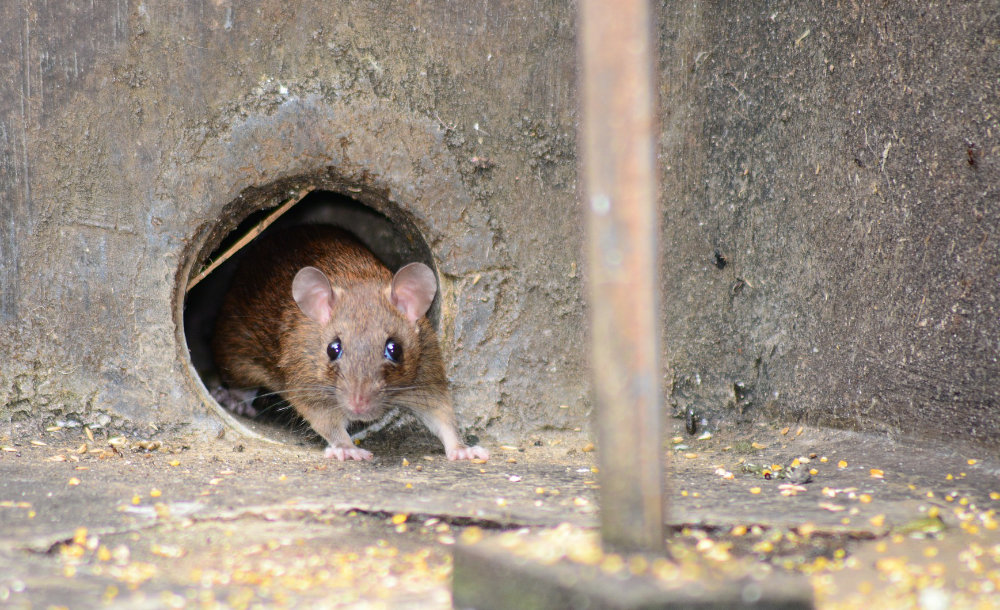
(314, 316)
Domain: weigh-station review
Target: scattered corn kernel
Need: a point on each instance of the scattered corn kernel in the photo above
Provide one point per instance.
(612, 563)
(472, 535)
(169, 551)
(80, 536)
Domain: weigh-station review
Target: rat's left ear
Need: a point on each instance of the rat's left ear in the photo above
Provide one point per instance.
(312, 291)
(413, 289)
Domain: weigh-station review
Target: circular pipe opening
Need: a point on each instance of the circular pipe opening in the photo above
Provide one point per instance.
(381, 226)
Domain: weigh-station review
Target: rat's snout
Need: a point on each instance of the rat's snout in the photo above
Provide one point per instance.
(359, 402)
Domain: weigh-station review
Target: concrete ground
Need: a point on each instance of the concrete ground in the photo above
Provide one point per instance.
(89, 521)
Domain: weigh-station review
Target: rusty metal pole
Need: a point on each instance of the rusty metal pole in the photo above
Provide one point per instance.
(619, 183)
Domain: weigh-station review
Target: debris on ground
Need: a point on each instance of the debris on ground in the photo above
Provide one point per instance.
(94, 521)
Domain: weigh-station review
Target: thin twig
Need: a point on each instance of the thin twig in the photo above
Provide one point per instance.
(249, 237)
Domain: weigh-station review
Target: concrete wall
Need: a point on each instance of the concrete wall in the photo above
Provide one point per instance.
(137, 132)
(832, 212)
(830, 178)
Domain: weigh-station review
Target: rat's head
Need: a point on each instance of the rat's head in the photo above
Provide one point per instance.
(364, 345)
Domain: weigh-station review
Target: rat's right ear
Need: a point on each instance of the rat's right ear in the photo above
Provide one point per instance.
(312, 291)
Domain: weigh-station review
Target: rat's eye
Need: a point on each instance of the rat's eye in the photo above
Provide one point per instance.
(334, 349)
(393, 351)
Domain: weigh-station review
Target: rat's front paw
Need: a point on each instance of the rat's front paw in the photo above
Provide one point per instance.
(468, 453)
(347, 453)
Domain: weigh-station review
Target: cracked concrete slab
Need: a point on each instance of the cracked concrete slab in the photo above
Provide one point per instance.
(235, 522)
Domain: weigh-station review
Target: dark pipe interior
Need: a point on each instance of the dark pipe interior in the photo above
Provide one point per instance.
(393, 244)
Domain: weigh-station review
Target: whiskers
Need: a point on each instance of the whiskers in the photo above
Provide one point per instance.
(307, 392)
(399, 407)
(415, 398)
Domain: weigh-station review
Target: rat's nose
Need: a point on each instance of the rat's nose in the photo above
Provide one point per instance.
(359, 402)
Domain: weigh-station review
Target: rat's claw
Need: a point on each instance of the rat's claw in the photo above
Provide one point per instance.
(468, 453)
(347, 453)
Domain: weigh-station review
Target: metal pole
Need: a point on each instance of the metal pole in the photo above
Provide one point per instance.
(619, 181)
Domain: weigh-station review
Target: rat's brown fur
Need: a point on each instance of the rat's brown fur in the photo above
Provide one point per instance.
(263, 339)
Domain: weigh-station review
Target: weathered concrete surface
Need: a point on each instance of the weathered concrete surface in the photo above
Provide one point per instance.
(830, 199)
(135, 134)
(832, 213)
(235, 522)
(830, 254)
(491, 577)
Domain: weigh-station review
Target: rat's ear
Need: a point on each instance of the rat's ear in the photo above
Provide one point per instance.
(413, 289)
(312, 291)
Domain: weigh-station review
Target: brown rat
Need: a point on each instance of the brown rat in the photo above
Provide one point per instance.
(314, 316)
